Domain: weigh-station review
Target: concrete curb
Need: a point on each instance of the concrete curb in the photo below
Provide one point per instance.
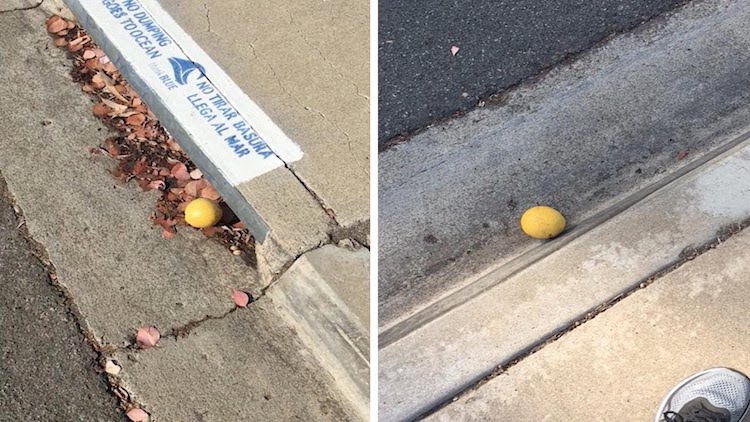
(432, 364)
(253, 175)
(311, 292)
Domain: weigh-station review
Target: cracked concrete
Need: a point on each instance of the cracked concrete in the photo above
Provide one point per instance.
(121, 274)
(47, 369)
(308, 68)
(244, 364)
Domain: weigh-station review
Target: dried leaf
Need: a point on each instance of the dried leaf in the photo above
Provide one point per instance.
(57, 25)
(194, 187)
(101, 110)
(157, 184)
(111, 88)
(117, 108)
(209, 192)
(179, 171)
(73, 48)
(97, 81)
(136, 119)
(196, 174)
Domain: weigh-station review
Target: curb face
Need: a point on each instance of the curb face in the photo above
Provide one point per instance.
(241, 151)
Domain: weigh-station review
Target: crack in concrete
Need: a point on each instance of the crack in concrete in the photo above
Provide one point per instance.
(21, 9)
(325, 59)
(329, 211)
(208, 15)
(688, 254)
(102, 351)
(310, 109)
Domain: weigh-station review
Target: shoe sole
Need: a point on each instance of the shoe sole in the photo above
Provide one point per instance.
(660, 412)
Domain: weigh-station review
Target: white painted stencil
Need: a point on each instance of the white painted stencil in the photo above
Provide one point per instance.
(231, 130)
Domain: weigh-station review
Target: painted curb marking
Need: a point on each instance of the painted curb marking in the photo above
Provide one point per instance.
(216, 123)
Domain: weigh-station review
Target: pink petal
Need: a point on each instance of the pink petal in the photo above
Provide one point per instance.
(137, 415)
(240, 298)
(147, 337)
(454, 50)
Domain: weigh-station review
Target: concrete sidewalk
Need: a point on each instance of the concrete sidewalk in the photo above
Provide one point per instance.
(625, 360)
(213, 363)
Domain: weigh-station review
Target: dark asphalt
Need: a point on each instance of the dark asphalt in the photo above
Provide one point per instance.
(501, 43)
(46, 367)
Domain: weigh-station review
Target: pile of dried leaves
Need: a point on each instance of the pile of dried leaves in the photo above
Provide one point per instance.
(145, 152)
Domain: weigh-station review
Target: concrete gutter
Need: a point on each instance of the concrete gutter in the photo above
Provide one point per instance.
(120, 274)
(312, 291)
(626, 359)
(593, 129)
(447, 355)
(241, 150)
(579, 138)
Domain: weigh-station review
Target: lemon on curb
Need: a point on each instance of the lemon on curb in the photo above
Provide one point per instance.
(201, 213)
(542, 222)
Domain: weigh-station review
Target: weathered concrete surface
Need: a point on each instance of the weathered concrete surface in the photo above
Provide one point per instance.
(96, 230)
(307, 65)
(46, 368)
(347, 272)
(246, 366)
(446, 356)
(325, 295)
(587, 133)
(121, 274)
(625, 360)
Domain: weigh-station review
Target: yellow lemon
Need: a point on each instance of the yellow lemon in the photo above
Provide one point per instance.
(201, 213)
(542, 222)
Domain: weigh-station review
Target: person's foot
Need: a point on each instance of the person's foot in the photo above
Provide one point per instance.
(716, 395)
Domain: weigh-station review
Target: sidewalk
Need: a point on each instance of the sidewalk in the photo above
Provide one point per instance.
(214, 362)
(625, 360)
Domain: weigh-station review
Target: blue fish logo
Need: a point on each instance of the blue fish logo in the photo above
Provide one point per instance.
(182, 68)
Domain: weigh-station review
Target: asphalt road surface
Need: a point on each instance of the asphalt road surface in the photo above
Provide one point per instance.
(46, 368)
(500, 44)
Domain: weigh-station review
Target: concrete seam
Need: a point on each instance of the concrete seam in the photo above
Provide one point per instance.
(688, 254)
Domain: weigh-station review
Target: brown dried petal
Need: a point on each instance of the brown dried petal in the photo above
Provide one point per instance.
(57, 25)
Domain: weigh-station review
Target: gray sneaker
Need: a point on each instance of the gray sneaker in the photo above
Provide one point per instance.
(716, 395)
